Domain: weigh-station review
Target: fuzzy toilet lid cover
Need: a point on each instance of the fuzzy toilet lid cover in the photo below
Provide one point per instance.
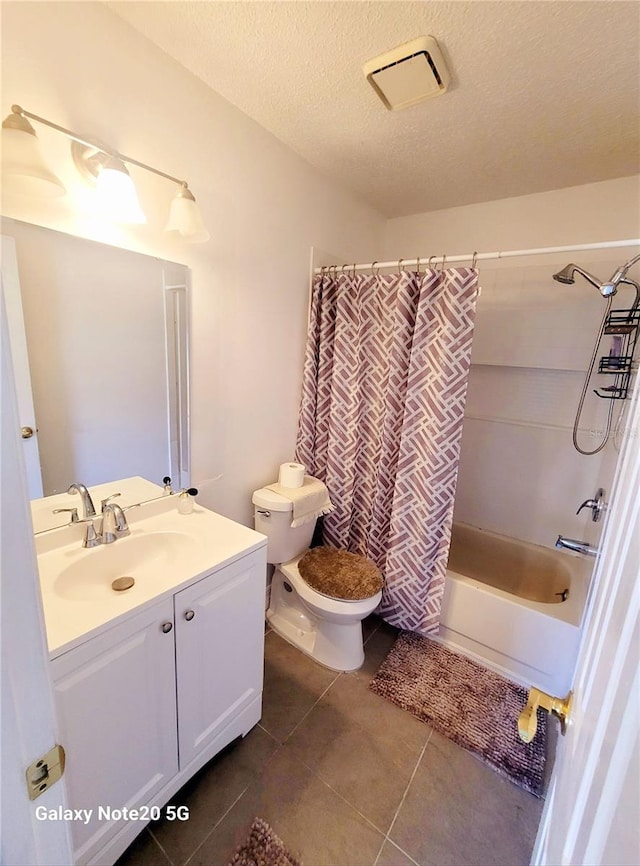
(340, 574)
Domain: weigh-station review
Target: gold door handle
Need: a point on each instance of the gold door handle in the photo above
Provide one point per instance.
(528, 718)
(27, 432)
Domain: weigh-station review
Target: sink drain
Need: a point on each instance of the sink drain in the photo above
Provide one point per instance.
(122, 583)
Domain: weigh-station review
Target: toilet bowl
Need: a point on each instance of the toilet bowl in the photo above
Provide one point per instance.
(327, 629)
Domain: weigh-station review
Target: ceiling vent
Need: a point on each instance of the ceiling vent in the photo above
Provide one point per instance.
(409, 73)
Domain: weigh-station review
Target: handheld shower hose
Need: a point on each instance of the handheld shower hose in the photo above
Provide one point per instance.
(607, 290)
(585, 387)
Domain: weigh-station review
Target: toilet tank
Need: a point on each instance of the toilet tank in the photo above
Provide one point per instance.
(272, 517)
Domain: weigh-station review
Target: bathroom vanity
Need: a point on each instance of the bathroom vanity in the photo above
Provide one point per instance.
(152, 682)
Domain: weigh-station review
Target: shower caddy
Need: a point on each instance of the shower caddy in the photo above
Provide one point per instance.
(624, 324)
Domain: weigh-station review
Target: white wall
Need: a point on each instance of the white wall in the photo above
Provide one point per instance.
(81, 66)
(519, 473)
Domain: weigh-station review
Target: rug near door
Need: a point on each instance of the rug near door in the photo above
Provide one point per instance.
(262, 847)
(465, 702)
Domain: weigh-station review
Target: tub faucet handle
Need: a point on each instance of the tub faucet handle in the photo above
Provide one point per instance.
(597, 505)
(528, 718)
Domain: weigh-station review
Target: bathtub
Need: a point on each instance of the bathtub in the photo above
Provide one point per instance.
(515, 607)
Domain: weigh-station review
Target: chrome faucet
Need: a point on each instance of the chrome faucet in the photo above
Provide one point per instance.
(577, 546)
(87, 502)
(114, 523)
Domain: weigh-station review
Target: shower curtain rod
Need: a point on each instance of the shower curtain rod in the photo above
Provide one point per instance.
(477, 257)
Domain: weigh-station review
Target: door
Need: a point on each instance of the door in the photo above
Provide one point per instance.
(20, 359)
(591, 812)
(25, 681)
(115, 697)
(219, 651)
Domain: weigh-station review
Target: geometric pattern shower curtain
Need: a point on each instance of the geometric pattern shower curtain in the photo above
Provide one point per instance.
(384, 386)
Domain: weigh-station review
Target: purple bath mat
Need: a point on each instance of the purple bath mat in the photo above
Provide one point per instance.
(262, 847)
(465, 702)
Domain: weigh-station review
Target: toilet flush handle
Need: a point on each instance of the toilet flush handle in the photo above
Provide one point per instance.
(262, 511)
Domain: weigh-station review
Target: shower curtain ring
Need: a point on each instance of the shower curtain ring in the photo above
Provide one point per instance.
(400, 261)
(353, 273)
(444, 259)
(342, 269)
(418, 263)
(376, 271)
(429, 262)
(475, 258)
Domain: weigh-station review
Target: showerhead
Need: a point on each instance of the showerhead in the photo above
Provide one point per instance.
(566, 276)
(607, 289)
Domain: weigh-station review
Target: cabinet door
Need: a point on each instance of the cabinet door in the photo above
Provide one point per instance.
(115, 697)
(219, 651)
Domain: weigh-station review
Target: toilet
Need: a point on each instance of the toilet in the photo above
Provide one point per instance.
(326, 628)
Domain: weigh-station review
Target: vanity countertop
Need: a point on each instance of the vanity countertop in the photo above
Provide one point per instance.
(164, 552)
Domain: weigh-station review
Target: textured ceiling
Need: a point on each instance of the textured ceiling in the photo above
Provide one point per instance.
(544, 94)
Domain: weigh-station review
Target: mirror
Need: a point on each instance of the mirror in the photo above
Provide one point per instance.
(107, 343)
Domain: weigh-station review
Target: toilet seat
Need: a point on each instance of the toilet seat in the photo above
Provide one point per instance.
(326, 603)
(340, 574)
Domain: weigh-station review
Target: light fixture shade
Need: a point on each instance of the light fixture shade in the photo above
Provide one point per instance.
(24, 170)
(185, 218)
(117, 194)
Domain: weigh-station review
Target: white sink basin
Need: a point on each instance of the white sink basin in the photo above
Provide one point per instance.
(166, 550)
(142, 557)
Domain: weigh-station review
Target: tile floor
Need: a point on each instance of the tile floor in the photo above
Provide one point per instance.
(345, 779)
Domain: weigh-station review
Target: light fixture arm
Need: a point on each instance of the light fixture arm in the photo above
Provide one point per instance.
(25, 172)
(17, 109)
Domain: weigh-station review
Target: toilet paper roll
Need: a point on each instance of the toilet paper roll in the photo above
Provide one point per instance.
(291, 475)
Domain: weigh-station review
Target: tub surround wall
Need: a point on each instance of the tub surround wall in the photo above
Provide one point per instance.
(83, 67)
(519, 473)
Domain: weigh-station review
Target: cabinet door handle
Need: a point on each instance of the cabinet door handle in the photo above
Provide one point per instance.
(166, 627)
(189, 615)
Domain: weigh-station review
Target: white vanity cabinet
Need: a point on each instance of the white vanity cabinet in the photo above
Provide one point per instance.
(219, 652)
(143, 705)
(115, 701)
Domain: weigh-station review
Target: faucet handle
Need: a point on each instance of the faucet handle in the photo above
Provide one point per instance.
(91, 537)
(104, 502)
(597, 505)
(72, 511)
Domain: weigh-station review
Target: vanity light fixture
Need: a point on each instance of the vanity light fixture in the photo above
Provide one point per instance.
(24, 171)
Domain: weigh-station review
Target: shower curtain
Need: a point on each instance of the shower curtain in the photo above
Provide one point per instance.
(384, 386)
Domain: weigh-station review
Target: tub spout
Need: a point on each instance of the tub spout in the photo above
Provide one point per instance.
(575, 545)
(528, 720)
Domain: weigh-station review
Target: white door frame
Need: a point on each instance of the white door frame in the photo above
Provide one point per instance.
(591, 812)
(20, 360)
(28, 718)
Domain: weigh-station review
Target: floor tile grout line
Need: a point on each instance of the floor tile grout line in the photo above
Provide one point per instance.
(366, 641)
(268, 733)
(217, 824)
(401, 803)
(351, 805)
(395, 845)
(311, 708)
(344, 800)
(159, 844)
